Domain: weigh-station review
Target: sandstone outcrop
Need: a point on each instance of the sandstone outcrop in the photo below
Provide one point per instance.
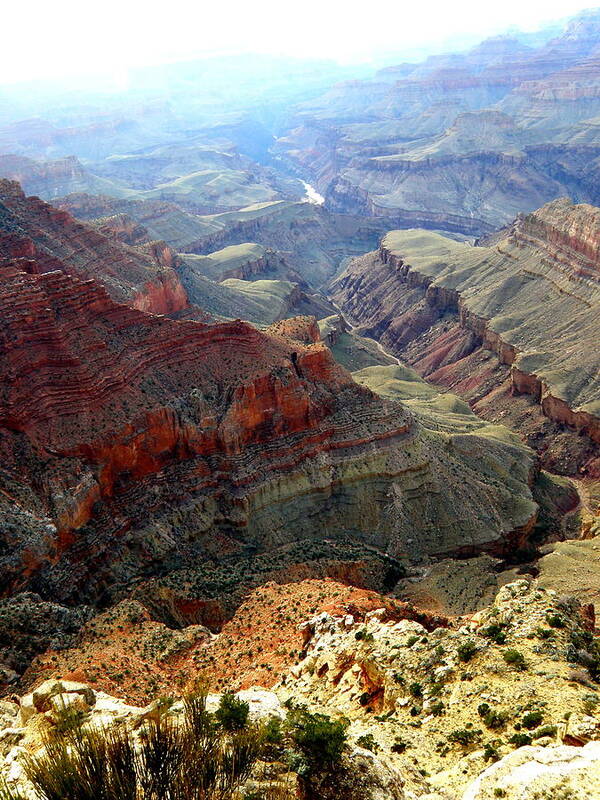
(437, 708)
(533, 772)
(418, 692)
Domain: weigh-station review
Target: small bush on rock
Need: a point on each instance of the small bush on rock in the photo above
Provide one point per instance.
(515, 658)
(520, 739)
(368, 742)
(466, 651)
(232, 713)
(532, 719)
(464, 736)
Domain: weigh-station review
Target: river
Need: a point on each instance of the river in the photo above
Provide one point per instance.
(312, 196)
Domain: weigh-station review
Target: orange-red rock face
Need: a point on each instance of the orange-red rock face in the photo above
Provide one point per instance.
(105, 400)
(52, 239)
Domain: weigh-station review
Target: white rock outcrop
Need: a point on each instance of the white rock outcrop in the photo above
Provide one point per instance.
(535, 772)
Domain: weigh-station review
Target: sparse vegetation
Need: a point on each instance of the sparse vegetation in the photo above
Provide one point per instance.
(520, 739)
(495, 632)
(193, 758)
(515, 658)
(368, 742)
(466, 651)
(532, 719)
(232, 713)
(464, 736)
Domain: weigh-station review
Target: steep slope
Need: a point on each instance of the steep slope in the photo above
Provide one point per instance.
(312, 240)
(450, 700)
(503, 703)
(517, 316)
(52, 179)
(190, 460)
(49, 239)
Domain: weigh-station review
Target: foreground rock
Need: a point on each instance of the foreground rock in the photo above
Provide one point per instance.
(533, 772)
(501, 704)
(451, 700)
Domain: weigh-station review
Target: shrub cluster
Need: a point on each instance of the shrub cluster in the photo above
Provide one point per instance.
(195, 758)
(198, 756)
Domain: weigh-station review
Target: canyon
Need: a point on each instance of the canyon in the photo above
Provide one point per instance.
(496, 321)
(300, 401)
(461, 142)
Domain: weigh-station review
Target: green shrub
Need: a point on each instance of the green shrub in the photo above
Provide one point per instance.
(515, 658)
(555, 621)
(495, 632)
(490, 753)
(411, 640)
(545, 730)
(416, 689)
(494, 719)
(437, 708)
(319, 740)
(583, 649)
(544, 633)
(532, 719)
(273, 741)
(368, 742)
(590, 703)
(464, 736)
(191, 758)
(232, 713)
(520, 739)
(466, 651)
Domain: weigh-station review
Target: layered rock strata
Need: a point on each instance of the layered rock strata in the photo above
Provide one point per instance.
(462, 141)
(50, 239)
(530, 298)
(134, 444)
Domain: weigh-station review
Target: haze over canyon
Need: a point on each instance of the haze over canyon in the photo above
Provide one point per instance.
(300, 426)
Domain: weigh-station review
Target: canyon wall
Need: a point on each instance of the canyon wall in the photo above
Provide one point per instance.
(136, 445)
(531, 299)
(50, 239)
(461, 141)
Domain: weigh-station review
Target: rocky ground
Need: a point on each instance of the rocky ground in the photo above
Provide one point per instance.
(501, 703)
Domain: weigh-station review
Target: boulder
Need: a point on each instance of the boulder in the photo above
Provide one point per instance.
(581, 729)
(532, 772)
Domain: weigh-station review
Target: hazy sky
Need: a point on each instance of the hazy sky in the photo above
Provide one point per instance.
(50, 38)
